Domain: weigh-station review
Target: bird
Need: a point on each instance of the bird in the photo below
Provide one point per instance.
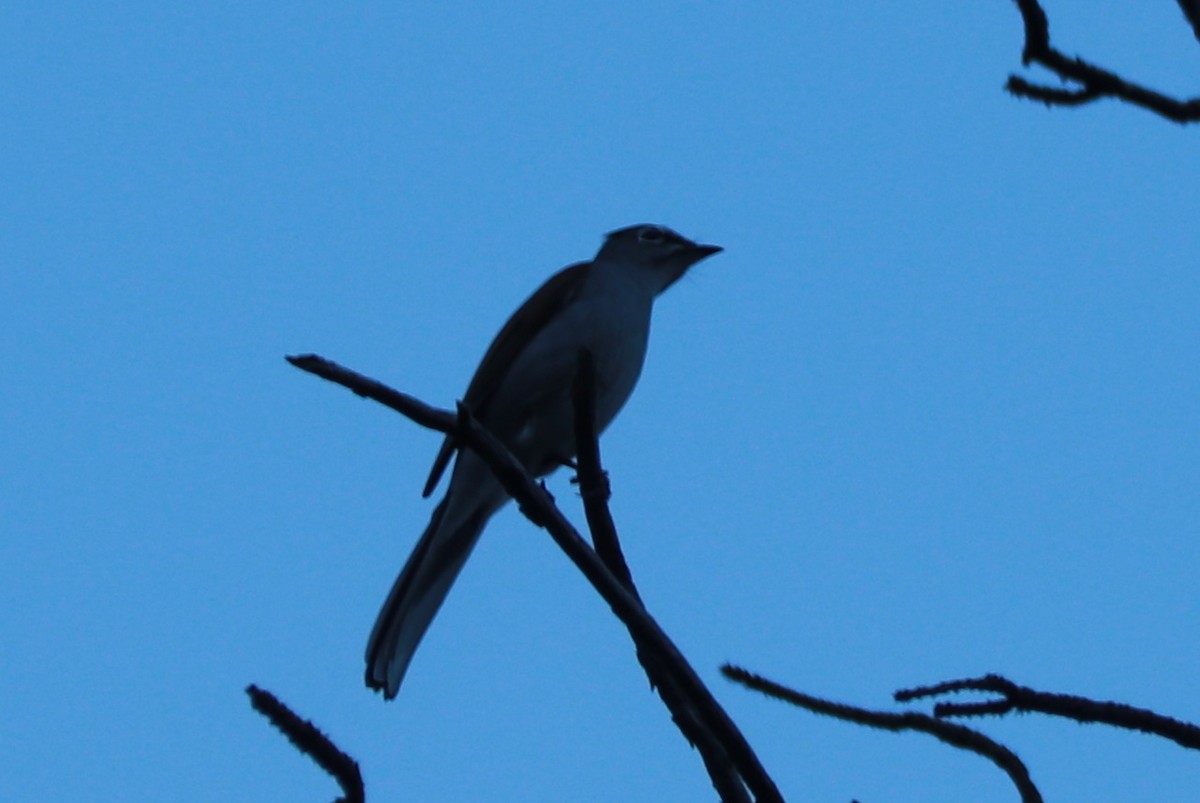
(521, 392)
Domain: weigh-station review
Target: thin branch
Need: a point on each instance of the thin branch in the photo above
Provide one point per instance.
(594, 487)
(1191, 10)
(408, 406)
(1081, 709)
(538, 506)
(689, 715)
(1093, 82)
(1051, 96)
(309, 739)
(948, 732)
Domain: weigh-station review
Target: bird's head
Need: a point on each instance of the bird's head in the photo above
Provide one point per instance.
(666, 254)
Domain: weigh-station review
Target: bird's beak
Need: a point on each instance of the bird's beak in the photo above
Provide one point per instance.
(693, 253)
(699, 252)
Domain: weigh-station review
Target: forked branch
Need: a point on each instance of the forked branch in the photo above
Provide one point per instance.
(1014, 697)
(1087, 81)
(948, 732)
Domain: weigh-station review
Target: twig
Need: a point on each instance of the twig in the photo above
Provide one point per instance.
(594, 487)
(948, 732)
(408, 406)
(309, 740)
(1191, 10)
(1094, 82)
(1081, 709)
(689, 715)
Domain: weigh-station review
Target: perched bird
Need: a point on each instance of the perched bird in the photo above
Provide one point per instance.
(522, 393)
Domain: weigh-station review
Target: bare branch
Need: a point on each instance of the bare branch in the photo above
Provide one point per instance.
(954, 735)
(408, 406)
(1191, 10)
(594, 487)
(1081, 709)
(1049, 95)
(1093, 82)
(309, 739)
(726, 763)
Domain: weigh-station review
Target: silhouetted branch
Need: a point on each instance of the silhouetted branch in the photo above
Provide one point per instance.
(538, 506)
(1049, 95)
(309, 740)
(1093, 82)
(594, 487)
(948, 732)
(408, 406)
(726, 760)
(1081, 709)
(1191, 10)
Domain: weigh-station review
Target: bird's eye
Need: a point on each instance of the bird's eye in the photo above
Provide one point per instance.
(652, 234)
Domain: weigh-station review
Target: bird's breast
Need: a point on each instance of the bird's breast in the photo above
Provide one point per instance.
(612, 321)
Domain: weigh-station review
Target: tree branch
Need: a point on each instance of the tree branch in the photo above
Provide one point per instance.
(594, 487)
(1081, 709)
(1093, 82)
(706, 726)
(309, 739)
(1191, 10)
(408, 406)
(954, 735)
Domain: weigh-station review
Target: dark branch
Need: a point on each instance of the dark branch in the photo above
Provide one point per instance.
(594, 487)
(408, 406)
(1049, 95)
(309, 740)
(1037, 29)
(954, 735)
(1191, 10)
(1081, 709)
(690, 715)
(1093, 82)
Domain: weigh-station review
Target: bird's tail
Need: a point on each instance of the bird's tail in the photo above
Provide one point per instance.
(423, 584)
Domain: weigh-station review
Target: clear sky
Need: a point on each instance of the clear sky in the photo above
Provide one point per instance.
(932, 414)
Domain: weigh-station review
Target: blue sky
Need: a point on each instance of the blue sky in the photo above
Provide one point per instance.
(933, 413)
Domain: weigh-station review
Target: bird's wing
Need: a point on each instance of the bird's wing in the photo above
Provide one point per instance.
(557, 292)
